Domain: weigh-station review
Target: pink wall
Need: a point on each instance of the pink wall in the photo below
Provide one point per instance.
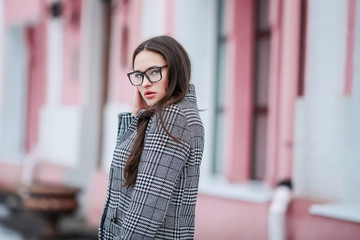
(11, 175)
(285, 22)
(303, 225)
(97, 197)
(170, 17)
(274, 76)
(218, 218)
(239, 111)
(289, 74)
(49, 173)
(350, 48)
(283, 79)
(72, 91)
(19, 11)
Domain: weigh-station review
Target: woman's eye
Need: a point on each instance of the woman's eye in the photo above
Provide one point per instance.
(154, 72)
(138, 75)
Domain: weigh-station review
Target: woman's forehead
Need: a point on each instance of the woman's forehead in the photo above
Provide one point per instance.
(146, 59)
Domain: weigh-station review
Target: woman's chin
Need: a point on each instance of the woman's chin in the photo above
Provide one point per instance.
(151, 102)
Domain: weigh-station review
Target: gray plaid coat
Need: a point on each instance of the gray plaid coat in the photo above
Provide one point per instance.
(161, 204)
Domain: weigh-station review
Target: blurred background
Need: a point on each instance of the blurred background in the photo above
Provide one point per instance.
(278, 80)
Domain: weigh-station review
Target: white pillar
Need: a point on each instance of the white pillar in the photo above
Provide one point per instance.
(54, 47)
(2, 48)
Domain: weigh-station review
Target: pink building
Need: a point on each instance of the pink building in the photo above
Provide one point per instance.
(280, 82)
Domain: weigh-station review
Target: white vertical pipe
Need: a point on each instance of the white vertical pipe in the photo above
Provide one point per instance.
(277, 213)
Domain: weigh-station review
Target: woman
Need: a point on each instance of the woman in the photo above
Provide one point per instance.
(154, 174)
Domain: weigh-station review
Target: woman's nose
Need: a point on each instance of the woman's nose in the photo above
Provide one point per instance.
(146, 82)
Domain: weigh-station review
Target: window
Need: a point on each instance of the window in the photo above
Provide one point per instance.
(13, 111)
(260, 89)
(219, 92)
(302, 54)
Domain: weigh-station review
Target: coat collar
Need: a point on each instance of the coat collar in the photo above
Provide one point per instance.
(191, 95)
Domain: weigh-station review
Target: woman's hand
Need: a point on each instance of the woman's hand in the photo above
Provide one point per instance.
(138, 102)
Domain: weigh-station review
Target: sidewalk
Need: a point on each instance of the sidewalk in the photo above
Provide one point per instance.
(6, 233)
(19, 224)
(9, 234)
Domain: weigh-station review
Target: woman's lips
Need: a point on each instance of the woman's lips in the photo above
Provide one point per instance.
(149, 94)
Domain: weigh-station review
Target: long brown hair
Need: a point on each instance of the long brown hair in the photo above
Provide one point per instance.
(179, 72)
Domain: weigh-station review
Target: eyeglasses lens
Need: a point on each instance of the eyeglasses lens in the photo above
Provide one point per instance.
(152, 74)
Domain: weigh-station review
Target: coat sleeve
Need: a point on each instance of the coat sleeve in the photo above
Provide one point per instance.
(124, 121)
(161, 162)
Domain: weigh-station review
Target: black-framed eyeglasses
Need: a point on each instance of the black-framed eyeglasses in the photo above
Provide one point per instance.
(153, 74)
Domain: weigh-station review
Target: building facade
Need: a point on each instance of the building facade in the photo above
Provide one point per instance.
(279, 83)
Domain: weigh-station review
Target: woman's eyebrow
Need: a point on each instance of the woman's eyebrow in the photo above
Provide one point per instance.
(154, 66)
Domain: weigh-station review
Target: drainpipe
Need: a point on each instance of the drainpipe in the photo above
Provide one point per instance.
(277, 211)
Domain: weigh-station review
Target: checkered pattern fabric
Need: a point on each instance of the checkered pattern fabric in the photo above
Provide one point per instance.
(161, 204)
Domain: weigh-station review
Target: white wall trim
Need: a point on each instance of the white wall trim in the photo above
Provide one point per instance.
(253, 191)
(347, 211)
